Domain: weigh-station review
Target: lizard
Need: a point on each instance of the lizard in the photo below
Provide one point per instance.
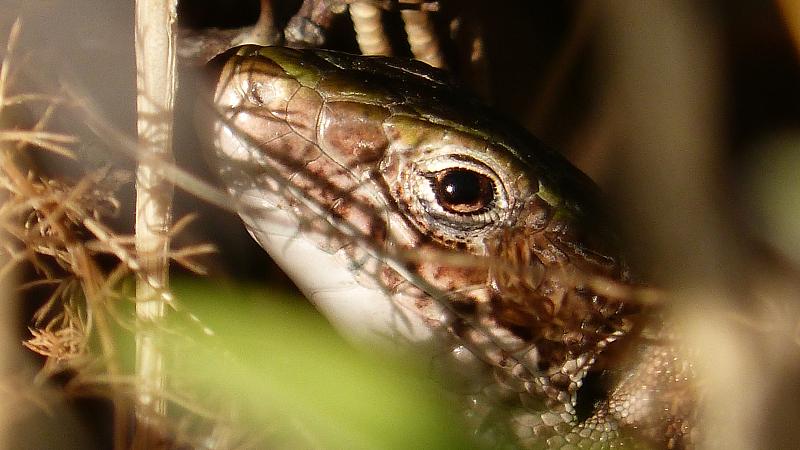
(416, 218)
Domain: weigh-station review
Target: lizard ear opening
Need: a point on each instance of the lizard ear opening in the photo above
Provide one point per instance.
(595, 388)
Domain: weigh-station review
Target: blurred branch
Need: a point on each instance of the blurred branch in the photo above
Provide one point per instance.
(559, 70)
(8, 347)
(790, 9)
(665, 79)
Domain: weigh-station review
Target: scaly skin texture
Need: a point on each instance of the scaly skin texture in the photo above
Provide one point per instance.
(490, 249)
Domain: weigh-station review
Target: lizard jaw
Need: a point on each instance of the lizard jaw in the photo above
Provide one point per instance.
(367, 315)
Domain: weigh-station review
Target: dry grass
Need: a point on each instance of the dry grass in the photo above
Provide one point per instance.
(79, 268)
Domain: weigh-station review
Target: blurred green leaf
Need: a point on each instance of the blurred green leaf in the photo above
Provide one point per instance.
(775, 192)
(278, 360)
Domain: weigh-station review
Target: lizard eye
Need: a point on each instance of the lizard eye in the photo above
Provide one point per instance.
(463, 191)
(456, 196)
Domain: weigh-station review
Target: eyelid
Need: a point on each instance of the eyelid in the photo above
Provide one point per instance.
(445, 162)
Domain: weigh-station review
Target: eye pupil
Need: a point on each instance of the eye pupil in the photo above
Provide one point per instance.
(463, 191)
(460, 187)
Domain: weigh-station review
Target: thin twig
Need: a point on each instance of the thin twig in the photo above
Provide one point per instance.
(6, 64)
(309, 26)
(264, 32)
(468, 32)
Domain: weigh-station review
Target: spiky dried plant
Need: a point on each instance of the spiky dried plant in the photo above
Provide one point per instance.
(76, 267)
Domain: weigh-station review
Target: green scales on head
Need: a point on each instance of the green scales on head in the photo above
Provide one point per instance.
(413, 216)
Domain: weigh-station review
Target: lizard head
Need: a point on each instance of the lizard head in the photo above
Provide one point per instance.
(383, 158)
(409, 213)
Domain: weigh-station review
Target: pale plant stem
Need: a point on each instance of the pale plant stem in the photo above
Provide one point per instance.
(156, 84)
(370, 35)
(422, 37)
